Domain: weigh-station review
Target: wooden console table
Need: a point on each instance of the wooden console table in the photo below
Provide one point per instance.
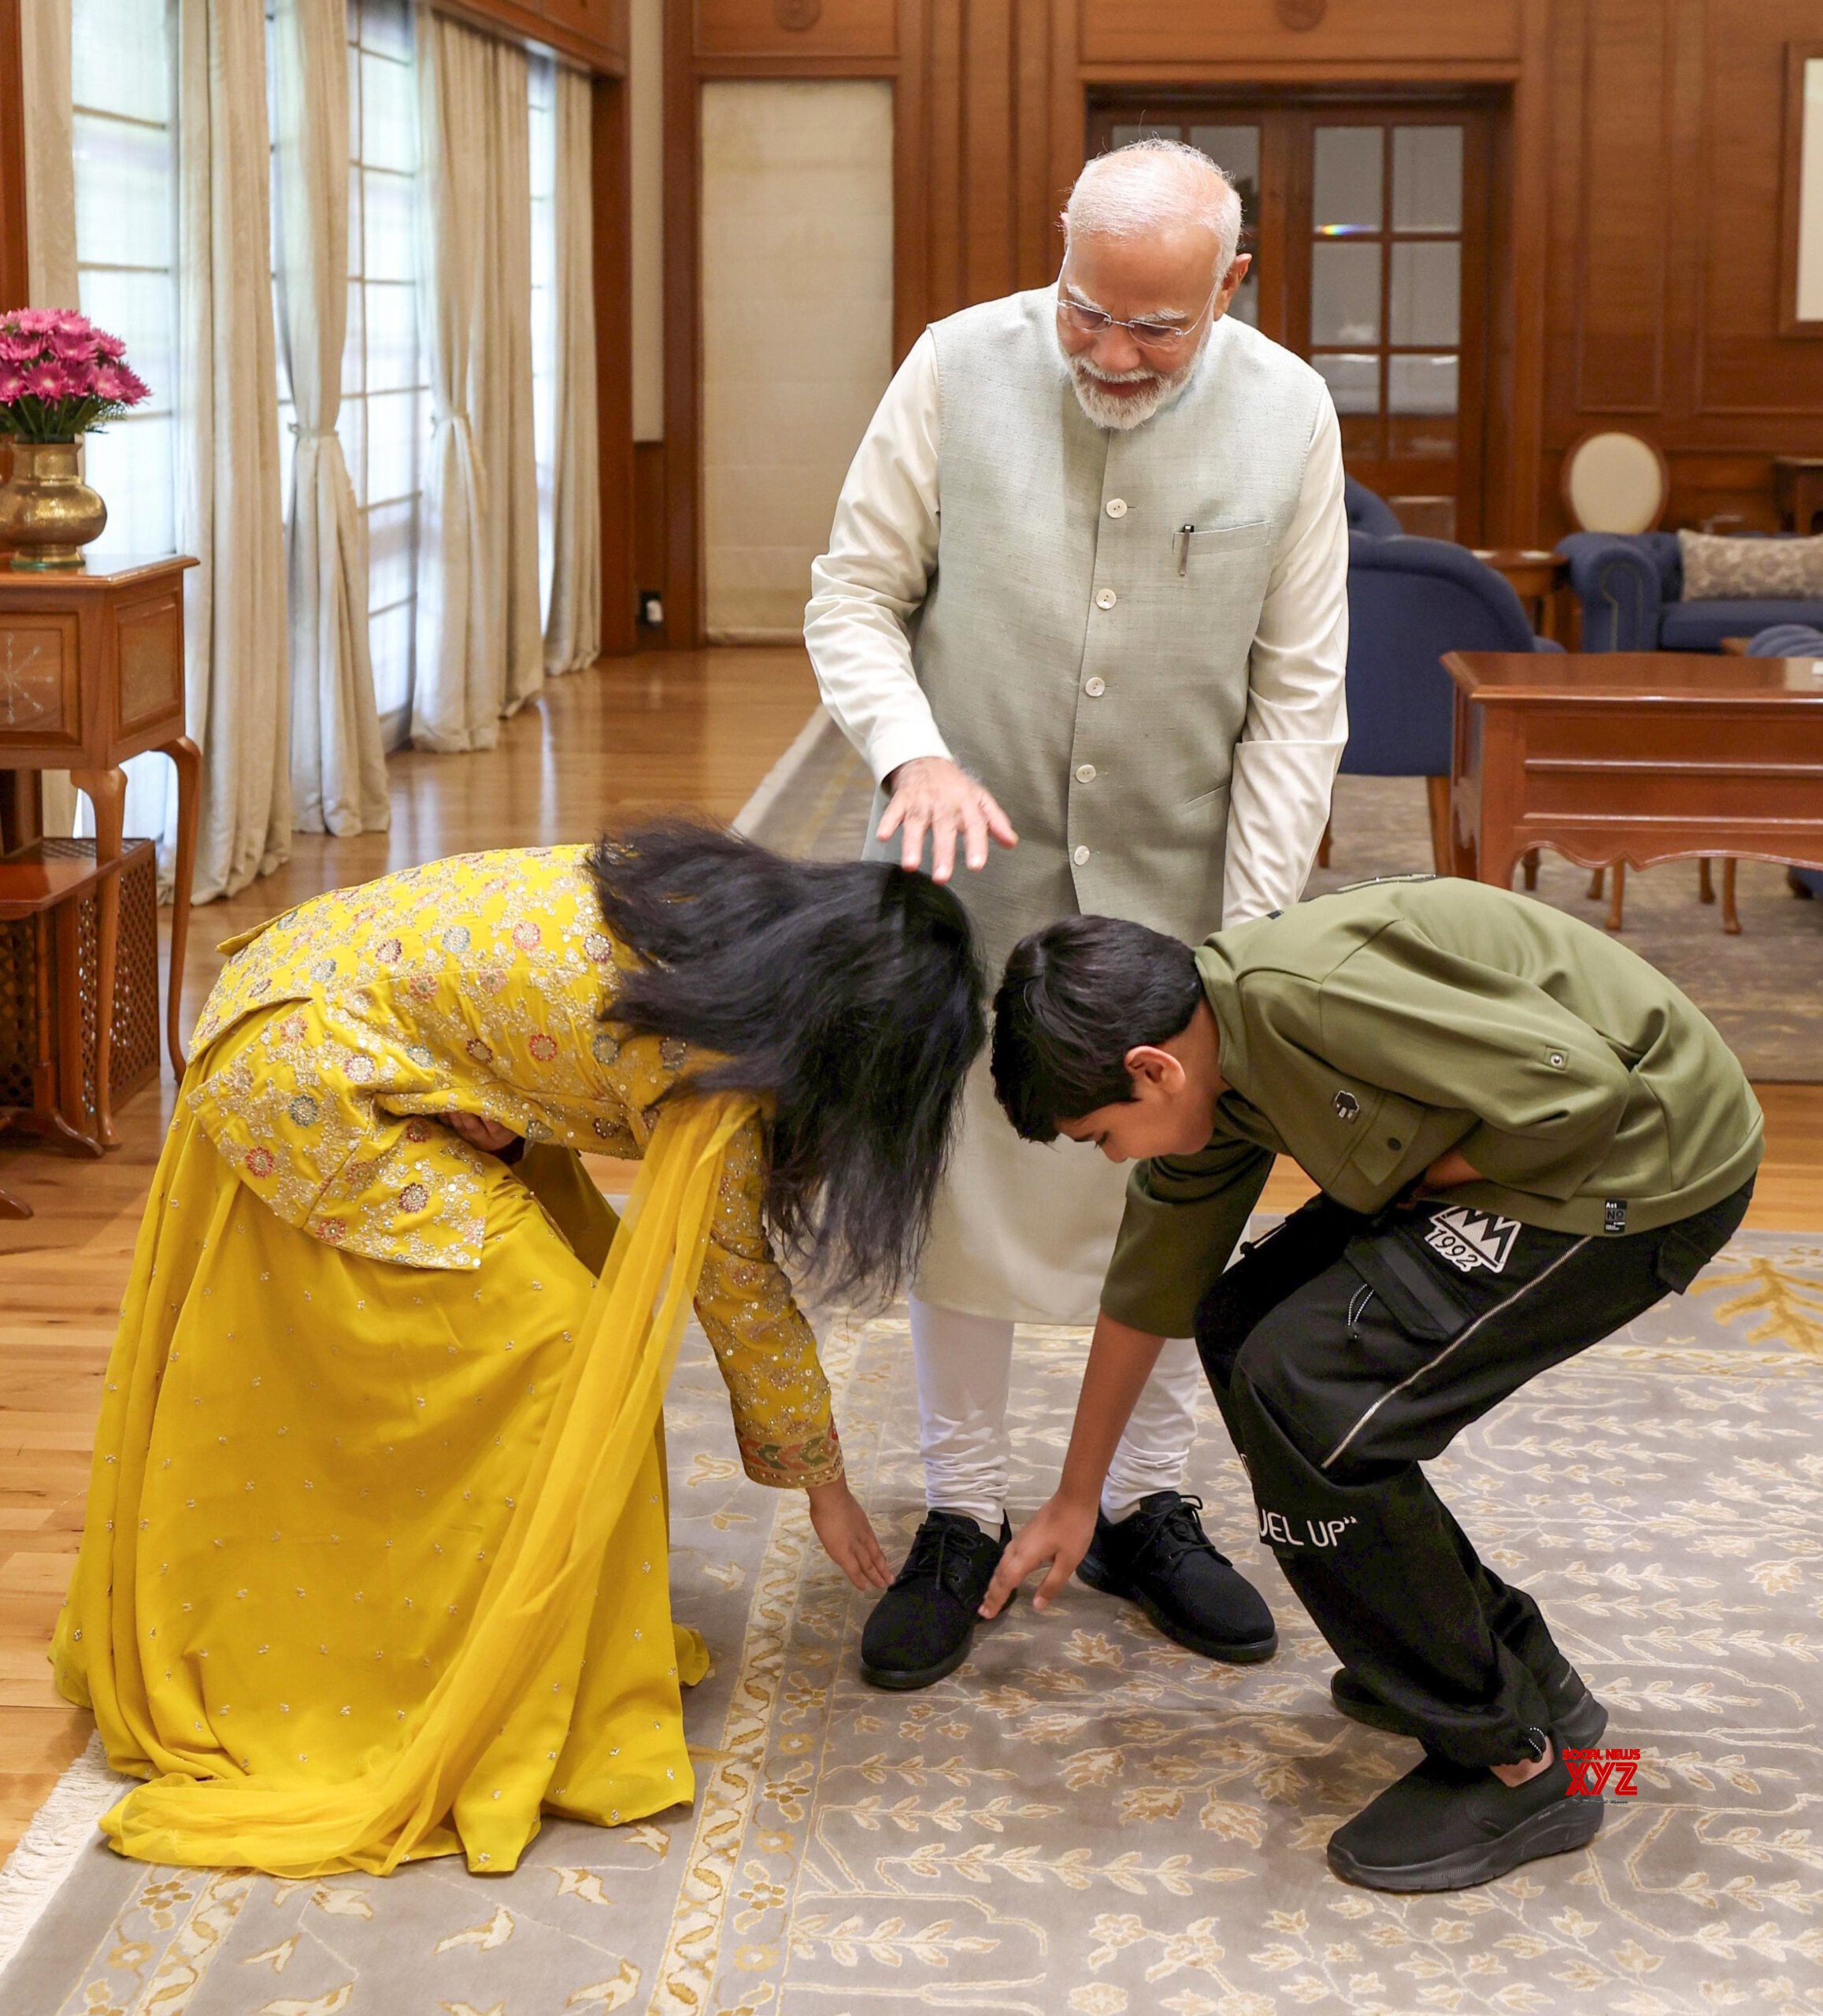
(1634, 756)
(1798, 490)
(91, 672)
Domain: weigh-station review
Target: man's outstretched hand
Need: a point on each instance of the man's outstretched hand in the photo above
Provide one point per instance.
(1060, 1534)
(932, 795)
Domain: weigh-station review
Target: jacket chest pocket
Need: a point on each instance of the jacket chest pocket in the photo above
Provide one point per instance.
(1373, 1158)
(1196, 551)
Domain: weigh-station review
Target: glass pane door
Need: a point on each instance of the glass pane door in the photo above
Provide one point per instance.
(1368, 225)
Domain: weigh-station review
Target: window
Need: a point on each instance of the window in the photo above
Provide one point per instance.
(126, 198)
(541, 114)
(123, 69)
(385, 422)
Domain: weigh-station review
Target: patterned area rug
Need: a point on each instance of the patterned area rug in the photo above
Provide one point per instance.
(1763, 990)
(1085, 1819)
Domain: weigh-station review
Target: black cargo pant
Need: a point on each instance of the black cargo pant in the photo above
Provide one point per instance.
(1344, 1351)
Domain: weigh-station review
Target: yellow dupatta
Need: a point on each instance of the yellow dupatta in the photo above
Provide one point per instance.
(599, 1431)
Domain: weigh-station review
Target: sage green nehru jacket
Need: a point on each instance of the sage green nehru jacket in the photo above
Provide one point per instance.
(1365, 1033)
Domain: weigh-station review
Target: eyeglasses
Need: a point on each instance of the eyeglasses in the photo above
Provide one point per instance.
(1089, 321)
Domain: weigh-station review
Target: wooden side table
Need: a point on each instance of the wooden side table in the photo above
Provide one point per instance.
(91, 672)
(1798, 490)
(1535, 577)
(1635, 757)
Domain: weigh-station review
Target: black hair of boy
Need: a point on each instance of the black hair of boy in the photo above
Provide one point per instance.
(1075, 997)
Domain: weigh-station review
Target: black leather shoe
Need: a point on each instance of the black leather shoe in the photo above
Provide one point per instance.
(921, 1628)
(1449, 1826)
(1161, 1557)
(1579, 1718)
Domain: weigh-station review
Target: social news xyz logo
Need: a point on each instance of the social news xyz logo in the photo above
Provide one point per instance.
(1593, 1772)
(1469, 1239)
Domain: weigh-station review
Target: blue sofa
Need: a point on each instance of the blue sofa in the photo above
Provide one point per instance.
(1410, 600)
(1631, 587)
(1368, 512)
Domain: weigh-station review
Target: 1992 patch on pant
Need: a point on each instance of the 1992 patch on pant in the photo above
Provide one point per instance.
(1469, 1239)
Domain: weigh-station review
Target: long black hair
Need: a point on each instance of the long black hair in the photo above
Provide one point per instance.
(847, 993)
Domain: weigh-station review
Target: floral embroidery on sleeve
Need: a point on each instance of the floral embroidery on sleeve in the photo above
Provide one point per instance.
(765, 1349)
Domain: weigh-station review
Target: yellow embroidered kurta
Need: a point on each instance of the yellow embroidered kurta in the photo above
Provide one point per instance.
(375, 1561)
(477, 985)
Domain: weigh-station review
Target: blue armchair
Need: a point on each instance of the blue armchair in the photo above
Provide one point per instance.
(1410, 600)
(1368, 512)
(1631, 587)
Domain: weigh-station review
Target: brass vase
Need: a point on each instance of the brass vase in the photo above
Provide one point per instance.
(48, 514)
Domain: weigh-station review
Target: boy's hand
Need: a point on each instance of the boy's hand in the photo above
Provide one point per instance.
(1060, 1534)
(847, 1535)
(1450, 1169)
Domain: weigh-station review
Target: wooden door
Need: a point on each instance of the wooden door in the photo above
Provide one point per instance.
(1368, 224)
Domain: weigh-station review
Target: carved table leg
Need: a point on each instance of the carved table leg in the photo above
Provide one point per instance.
(1437, 799)
(188, 759)
(1731, 921)
(1705, 882)
(107, 791)
(1619, 895)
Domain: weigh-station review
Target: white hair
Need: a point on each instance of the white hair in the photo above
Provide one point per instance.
(1152, 183)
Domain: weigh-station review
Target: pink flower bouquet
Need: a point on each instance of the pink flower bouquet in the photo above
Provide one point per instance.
(60, 376)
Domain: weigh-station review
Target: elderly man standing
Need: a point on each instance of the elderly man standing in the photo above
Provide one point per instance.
(1085, 599)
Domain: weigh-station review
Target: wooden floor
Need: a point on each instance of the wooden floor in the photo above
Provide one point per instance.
(661, 730)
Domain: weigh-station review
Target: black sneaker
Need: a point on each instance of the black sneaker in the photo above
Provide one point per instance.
(921, 1628)
(1161, 1557)
(1449, 1826)
(1579, 1718)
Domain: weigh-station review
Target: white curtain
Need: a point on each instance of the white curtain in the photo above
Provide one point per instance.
(229, 506)
(480, 652)
(572, 633)
(337, 762)
(503, 411)
(44, 49)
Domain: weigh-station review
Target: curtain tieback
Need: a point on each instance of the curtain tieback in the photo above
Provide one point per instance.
(313, 433)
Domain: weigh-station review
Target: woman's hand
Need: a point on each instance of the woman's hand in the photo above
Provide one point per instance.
(1060, 1534)
(479, 1133)
(847, 1535)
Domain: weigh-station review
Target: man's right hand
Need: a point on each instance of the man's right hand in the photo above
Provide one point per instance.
(932, 795)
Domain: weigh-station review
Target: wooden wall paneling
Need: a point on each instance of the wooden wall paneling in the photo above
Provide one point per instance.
(1518, 252)
(683, 583)
(1797, 55)
(990, 215)
(592, 32)
(1160, 37)
(947, 277)
(1623, 194)
(748, 30)
(911, 206)
(1068, 119)
(1036, 242)
(1746, 363)
(613, 287)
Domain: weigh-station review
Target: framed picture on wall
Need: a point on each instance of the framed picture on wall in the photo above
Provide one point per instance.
(1801, 193)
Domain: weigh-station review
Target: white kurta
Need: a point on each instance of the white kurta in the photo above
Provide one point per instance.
(1025, 1232)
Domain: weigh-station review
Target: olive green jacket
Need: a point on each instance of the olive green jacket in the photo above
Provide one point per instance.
(1365, 1033)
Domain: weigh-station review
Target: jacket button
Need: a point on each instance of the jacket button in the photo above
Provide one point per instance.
(1095, 688)
(1105, 599)
(1117, 507)
(1080, 856)
(1085, 773)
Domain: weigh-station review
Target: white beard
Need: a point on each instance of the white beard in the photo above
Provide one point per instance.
(1122, 414)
